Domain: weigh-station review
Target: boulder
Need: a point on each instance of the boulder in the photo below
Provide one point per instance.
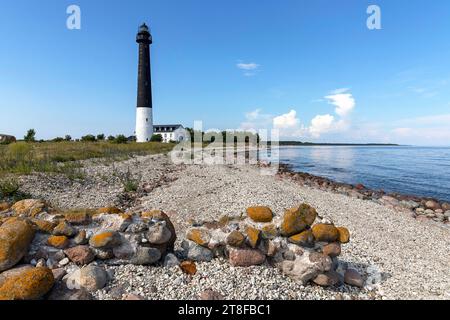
(64, 229)
(304, 239)
(15, 238)
(80, 255)
(200, 236)
(60, 292)
(28, 284)
(29, 207)
(332, 249)
(269, 231)
(297, 219)
(43, 226)
(445, 206)
(5, 275)
(158, 215)
(4, 206)
(327, 279)
(145, 256)
(260, 214)
(235, 239)
(325, 232)
(433, 205)
(105, 240)
(113, 222)
(344, 235)
(307, 266)
(353, 278)
(59, 242)
(171, 260)
(91, 278)
(253, 236)
(245, 257)
(158, 233)
(188, 267)
(195, 252)
(109, 210)
(78, 217)
(81, 238)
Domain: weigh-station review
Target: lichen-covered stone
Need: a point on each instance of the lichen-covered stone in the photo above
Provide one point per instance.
(30, 284)
(200, 236)
(325, 232)
(109, 210)
(332, 249)
(235, 239)
(260, 214)
(78, 217)
(43, 226)
(305, 239)
(105, 240)
(344, 235)
(64, 229)
(60, 242)
(269, 231)
(253, 236)
(15, 238)
(28, 207)
(4, 206)
(297, 219)
(80, 238)
(188, 267)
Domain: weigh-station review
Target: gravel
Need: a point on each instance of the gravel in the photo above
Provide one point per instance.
(401, 257)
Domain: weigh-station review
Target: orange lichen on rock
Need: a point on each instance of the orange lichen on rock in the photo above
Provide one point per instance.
(15, 238)
(31, 284)
(235, 239)
(60, 242)
(109, 210)
(304, 238)
(43, 225)
(325, 232)
(297, 219)
(199, 236)
(29, 207)
(344, 235)
(260, 214)
(105, 240)
(269, 231)
(4, 206)
(253, 236)
(188, 267)
(78, 217)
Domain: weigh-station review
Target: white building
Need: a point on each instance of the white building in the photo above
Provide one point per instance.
(175, 132)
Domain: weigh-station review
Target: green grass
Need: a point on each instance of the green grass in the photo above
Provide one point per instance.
(60, 157)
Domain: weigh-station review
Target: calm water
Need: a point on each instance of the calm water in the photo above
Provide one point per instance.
(422, 171)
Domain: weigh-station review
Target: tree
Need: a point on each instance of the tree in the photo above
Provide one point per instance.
(31, 136)
(100, 137)
(111, 138)
(88, 138)
(156, 138)
(58, 139)
(121, 139)
(68, 138)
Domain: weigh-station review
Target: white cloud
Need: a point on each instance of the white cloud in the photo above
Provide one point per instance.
(248, 66)
(321, 124)
(344, 101)
(256, 120)
(286, 121)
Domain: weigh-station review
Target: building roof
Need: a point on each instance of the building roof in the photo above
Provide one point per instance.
(166, 127)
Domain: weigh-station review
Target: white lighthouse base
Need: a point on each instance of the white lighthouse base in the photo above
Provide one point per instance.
(144, 124)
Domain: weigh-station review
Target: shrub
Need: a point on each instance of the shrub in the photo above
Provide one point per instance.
(100, 137)
(30, 136)
(156, 138)
(8, 188)
(58, 139)
(130, 183)
(88, 138)
(111, 138)
(121, 139)
(68, 138)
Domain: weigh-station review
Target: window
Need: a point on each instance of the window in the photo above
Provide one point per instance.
(146, 119)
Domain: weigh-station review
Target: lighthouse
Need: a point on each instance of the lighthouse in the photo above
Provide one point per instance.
(144, 114)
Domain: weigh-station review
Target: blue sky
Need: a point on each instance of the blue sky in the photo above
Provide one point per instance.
(311, 69)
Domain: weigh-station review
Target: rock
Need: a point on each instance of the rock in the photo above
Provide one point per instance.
(409, 204)
(29, 207)
(245, 257)
(145, 256)
(171, 260)
(445, 206)
(353, 278)
(43, 226)
(344, 235)
(114, 222)
(306, 267)
(158, 215)
(29, 284)
(81, 238)
(158, 233)
(14, 272)
(105, 240)
(200, 236)
(447, 214)
(296, 220)
(78, 217)
(60, 292)
(269, 231)
(80, 255)
(332, 249)
(210, 294)
(193, 251)
(64, 262)
(433, 205)
(4, 206)
(325, 232)
(327, 279)
(133, 297)
(91, 278)
(235, 239)
(109, 210)
(137, 227)
(188, 267)
(305, 239)
(59, 242)
(64, 229)
(58, 274)
(253, 236)
(105, 254)
(15, 238)
(260, 214)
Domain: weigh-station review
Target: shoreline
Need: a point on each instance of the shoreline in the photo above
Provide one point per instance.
(421, 208)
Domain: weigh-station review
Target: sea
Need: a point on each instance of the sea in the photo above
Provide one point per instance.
(419, 171)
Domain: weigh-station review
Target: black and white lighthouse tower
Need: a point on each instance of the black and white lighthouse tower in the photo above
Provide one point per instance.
(144, 114)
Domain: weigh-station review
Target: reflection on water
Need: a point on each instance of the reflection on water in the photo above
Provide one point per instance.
(411, 170)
